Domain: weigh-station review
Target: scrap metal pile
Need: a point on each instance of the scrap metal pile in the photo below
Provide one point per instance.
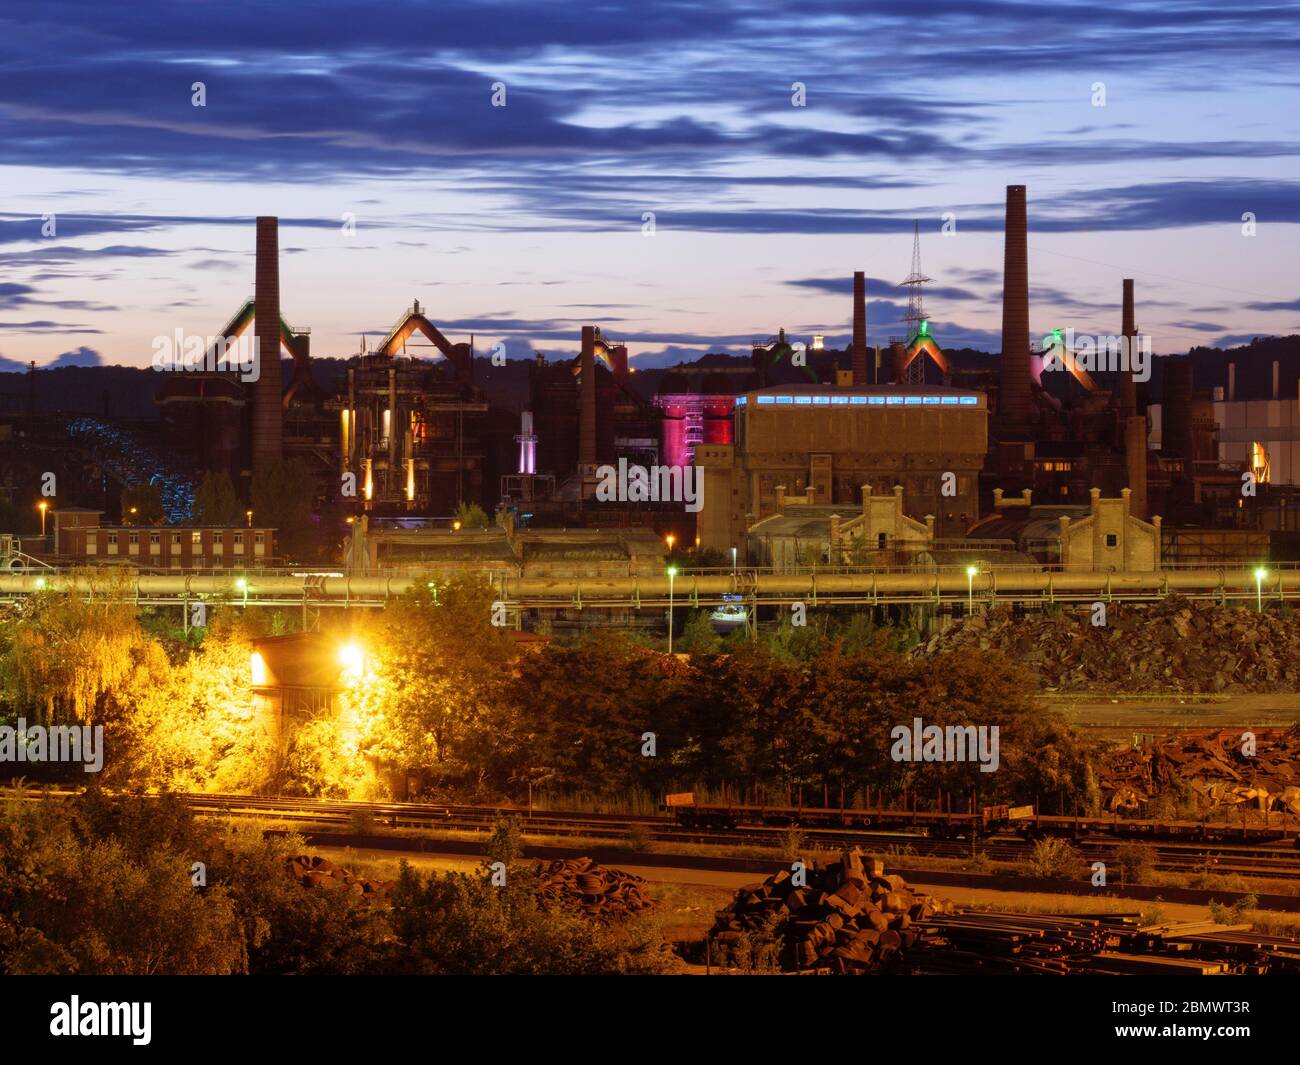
(605, 895)
(851, 918)
(1214, 766)
(847, 917)
(1171, 646)
(312, 871)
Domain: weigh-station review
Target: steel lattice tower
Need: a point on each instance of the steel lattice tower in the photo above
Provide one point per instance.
(914, 283)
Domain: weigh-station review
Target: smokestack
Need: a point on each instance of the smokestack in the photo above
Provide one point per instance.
(1128, 386)
(1014, 397)
(267, 422)
(1176, 415)
(587, 424)
(859, 328)
(1135, 454)
(897, 356)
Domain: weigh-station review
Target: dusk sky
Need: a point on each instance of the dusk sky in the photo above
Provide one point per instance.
(520, 223)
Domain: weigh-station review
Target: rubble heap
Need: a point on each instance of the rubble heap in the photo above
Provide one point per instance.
(848, 917)
(1174, 646)
(605, 895)
(312, 871)
(1215, 767)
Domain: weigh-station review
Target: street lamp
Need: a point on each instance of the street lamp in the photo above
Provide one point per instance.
(1260, 574)
(672, 572)
(733, 561)
(43, 507)
(669, 540)
(249, 513)
(241, 584)
(970, 588)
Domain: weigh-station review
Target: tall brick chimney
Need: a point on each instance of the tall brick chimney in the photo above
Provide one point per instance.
(1127, 386)
(587, 422)
(267, 418)
(1014, 396)
(1135, 458)
(859, 329)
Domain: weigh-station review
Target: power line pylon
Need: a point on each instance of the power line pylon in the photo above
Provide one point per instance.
(914, 283)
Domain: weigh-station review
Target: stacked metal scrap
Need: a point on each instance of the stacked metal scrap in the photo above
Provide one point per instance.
(313, 871)
(606, 895)
(847, 916)
(1171, 646)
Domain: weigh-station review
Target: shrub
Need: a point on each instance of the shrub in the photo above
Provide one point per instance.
(1136, 861)
(1054, 858)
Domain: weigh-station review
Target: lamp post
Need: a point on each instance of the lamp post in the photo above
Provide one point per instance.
(670, 539)
(1260, 574)
(672, 572)
(43, 507)
(733, 561)
(970, 588)
(249, 514)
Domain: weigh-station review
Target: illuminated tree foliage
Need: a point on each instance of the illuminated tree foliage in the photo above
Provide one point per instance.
(196, 731)
(70, 660)
(443, 704)
(435, 664)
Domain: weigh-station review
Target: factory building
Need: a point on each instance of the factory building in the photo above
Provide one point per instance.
(696, 401)
(839, 443)
(410, 429)
(584, 415)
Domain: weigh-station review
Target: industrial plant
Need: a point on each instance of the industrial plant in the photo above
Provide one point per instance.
(808, 456)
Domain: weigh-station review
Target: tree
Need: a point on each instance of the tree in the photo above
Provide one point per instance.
(215, 501)
(471, 516)
(142, 505)
(698, 635)
(282, 495)
(71, 659)
(434, 664)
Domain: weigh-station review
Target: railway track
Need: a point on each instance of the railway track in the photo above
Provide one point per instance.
(1277, 861)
